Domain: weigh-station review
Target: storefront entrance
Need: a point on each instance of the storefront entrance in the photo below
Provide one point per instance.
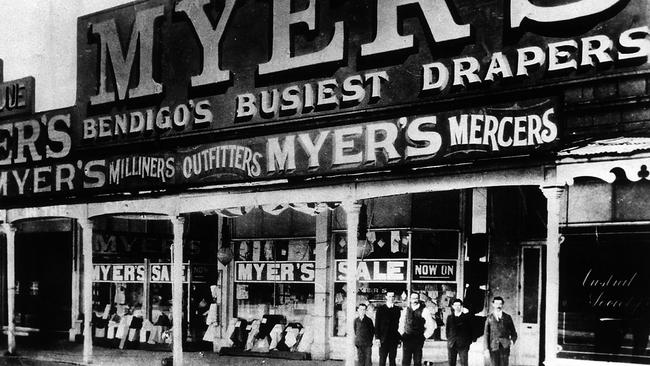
(528, 347)
(44, 278)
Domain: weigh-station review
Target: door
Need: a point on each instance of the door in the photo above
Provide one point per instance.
(529, 311)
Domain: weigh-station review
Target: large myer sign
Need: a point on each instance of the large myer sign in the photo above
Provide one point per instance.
(428, 139)
(157, 69)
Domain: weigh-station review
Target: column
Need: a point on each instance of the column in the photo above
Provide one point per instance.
(10, 232)
(87, 253)
(323, 307)
(352, 219)
(552, 195)
(177, 290)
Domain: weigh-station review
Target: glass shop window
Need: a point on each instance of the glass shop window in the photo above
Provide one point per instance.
(373, 294)
(437, 298)
(604, 311)
(384, 244)
(274, 277)
(382, 266)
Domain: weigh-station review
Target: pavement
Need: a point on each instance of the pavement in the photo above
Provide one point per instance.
(142, 358)
(67, 353)
(29, 357)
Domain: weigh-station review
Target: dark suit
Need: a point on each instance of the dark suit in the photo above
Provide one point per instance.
(386, 325)
(459, 337)
(498, 334)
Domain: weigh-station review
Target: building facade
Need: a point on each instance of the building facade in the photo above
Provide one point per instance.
(227, 163)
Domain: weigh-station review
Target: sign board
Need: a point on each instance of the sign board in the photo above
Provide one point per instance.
(434, 270)
(154, 70)
(16, 97)
(275, 271)
(409, 141)
(390, 270)
(158, 272)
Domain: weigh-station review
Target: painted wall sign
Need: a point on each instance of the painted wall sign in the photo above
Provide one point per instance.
(37, 138)
(154, 69)
(275, 271)
(374, 270)
(158, 272)
(433, 270)
(445, 137)
(17, 97)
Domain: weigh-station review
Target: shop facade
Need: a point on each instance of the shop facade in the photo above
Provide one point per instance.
(212, 192)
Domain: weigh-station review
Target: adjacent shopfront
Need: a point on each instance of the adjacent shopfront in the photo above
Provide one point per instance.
(242, 185)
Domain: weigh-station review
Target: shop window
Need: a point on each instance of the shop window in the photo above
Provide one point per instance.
(604, 311)
(369, 293)
(376, 245)
(274, 277)
(383, 266)
(437, 298)
(120, 301)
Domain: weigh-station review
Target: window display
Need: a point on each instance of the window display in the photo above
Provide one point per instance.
(124, 314)
(383, 266)
(274, 294)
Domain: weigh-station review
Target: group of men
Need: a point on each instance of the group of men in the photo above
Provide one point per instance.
(413, 324)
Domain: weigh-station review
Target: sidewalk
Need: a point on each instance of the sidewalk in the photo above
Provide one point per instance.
(66, 353)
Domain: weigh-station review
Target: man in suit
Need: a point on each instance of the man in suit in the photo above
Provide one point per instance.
(415, 325)
(458, 329)
(386, 325)
(499, 334)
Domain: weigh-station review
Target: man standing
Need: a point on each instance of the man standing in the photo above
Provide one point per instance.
(459, 333)
(386, 329)
(499, 334)
(363, 334)
(415, 325)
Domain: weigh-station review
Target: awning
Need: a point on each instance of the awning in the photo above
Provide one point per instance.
(311, 208)
(599, 159)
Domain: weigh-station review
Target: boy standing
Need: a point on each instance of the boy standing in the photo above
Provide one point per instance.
(364, 331)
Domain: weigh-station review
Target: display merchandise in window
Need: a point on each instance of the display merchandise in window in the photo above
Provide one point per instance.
(123, 317)
(371, 294)
(376, 245)
(274, 295)
(385, 267)
(437, 298)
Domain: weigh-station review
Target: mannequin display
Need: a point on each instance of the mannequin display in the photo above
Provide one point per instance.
(211, 320)
(230, 331)
(146, 331)
(307, 337)
(275, 335)
(257, 250)
(291, 336)
(269, 251)
(120, 293)
(253, 330)
(240, 334)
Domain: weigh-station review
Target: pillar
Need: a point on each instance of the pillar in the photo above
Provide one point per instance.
(10, 232)
(552, 195)
(87, 252)
(177, 290)
(352, 219)
(322, 310)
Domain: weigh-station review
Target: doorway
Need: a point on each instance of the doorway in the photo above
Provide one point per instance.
(43, 278)
(528, 348)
